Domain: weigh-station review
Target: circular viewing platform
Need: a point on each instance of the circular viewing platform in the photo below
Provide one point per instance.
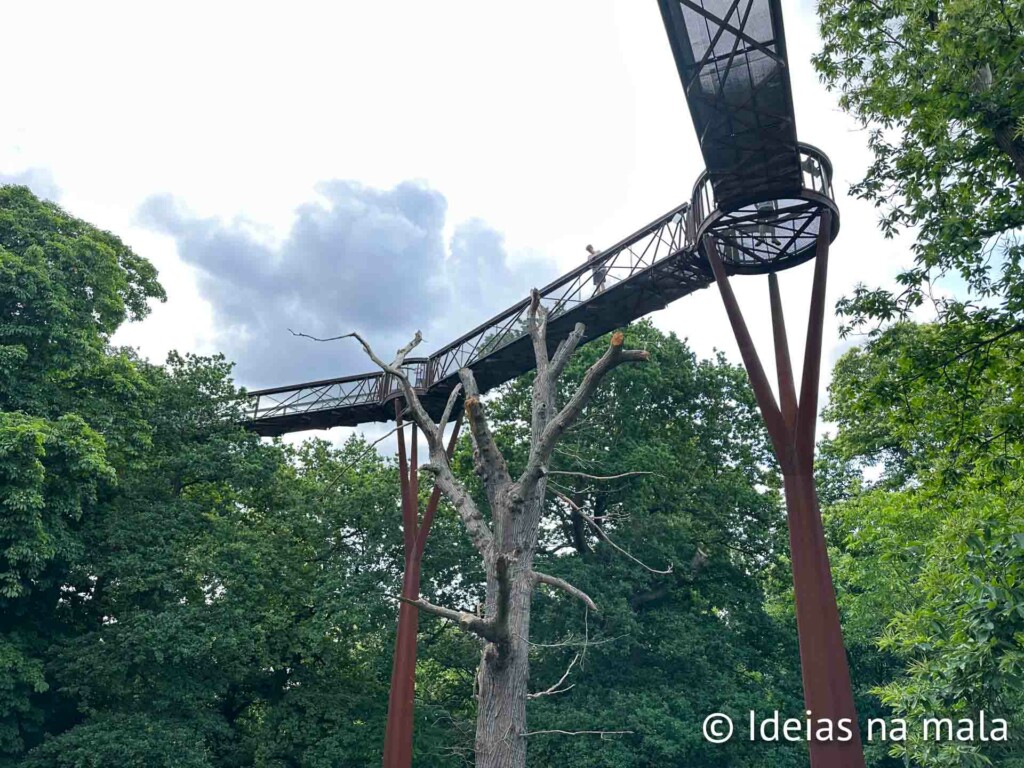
(773, 232)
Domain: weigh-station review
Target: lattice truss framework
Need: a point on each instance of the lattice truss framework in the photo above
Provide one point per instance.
(600, 280)
(663, 238)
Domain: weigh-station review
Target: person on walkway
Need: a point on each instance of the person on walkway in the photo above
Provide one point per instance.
(600, 271)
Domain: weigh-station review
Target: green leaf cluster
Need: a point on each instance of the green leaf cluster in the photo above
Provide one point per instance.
(928, 555)
(939, 84)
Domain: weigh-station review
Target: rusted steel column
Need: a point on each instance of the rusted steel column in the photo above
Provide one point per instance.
(399, 730)
(783, 365)
(828, 692)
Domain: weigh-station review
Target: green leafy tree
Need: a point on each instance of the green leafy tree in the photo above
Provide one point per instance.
(64, 288)
(937, 402)
(928, 556)
(940, 86)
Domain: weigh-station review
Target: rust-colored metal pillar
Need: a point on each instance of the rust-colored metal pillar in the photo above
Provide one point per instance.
(828, 692)
(399, 729)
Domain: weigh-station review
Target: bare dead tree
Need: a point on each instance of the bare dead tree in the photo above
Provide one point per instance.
(508, 542)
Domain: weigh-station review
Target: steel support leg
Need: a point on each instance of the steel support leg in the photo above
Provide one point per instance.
(399, 729)
(828, 692)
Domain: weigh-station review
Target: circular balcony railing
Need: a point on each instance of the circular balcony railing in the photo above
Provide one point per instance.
(761, 236)
(417, 371)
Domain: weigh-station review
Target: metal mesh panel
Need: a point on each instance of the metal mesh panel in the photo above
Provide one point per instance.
(731, 56)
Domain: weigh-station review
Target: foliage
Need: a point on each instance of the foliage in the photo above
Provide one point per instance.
(928, 557)
(50, 474)
(65, 287)
(932, 401)
(939, 84)
(134, 741)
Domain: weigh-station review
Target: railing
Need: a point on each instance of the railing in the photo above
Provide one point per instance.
(317, 395)
(815, 173)
(661, 238)
(767, 234)
(664, 237)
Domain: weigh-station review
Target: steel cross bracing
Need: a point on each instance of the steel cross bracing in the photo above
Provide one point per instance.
(731, 57)
(644, 272)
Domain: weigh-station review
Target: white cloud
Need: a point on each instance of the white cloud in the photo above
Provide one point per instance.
(39, 180)
(358, 259)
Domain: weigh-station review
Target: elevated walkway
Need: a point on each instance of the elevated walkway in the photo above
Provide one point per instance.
(644, 272)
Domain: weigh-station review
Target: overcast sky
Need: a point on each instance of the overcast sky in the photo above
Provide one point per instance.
(384, 167)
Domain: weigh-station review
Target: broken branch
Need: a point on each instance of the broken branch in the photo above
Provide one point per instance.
(556, 688)
(469, 622)
(536, 325)
(565, 350)
(545, 443)
(597, 477)
(449, 406)
(577, 733)
(489, 463)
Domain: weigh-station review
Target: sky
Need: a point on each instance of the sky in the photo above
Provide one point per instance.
(385, 167)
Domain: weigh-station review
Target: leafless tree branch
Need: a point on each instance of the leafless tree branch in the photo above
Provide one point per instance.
(566, 349)
(557, 687)
(565, 586)
(601, 534)
(449, 407)
(470, 622)
(598, 477)
(577, 733)
(572, 643)
(536, 326)
(545, 443)
(469, 513)
(489, 463)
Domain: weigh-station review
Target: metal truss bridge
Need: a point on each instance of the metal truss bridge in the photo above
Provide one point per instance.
(761, 198)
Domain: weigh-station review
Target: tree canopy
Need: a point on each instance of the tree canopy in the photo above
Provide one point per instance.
(928, 556)
(176, 592)
(939, 86)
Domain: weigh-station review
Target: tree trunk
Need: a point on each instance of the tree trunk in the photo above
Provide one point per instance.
(504, 677)
(504, 673)
(1006, 139)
